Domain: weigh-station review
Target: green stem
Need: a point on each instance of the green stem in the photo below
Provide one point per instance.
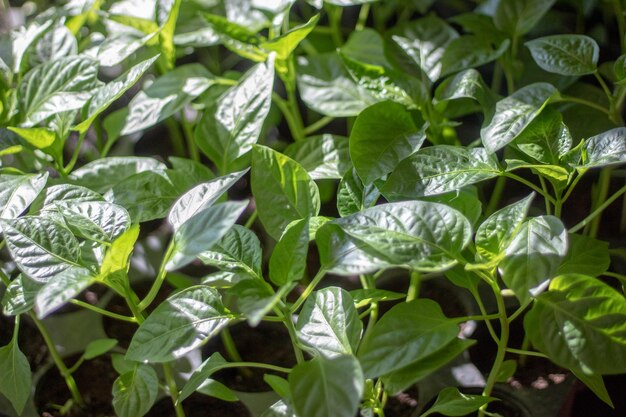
(604, 183)
(68, 168)
(598, 211)
(232, 351)
(177, 140)
(292, 122)
(251, 219)
(288, 320)
(483, 311)
(194, 154)
(314, 127)
(103, 312)
(156, 286)
(619, 15)
(529, 184)
(363, 14)
(334, 18)
(586, 103)
(526, 352)
(58, 361)
(502, 346)
(308, 290)
(496, 196)
(605, 87)
(368, 282)
(519, 311)
(486, 317)
(256, 365)
(572, 186)
(544, 187)
(414, 286)
(173, 389)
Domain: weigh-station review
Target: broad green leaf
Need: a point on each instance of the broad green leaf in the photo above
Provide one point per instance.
(62, 288)
(237, 38)
(353, 196)
(187, 173)
(425, 236)
(466, 84)
(282, 189)
(216, 389)
(619, 69)
(363, 297)
(116, 48)
(327, 387)
(585, 255)
(580, 323)
(383, 135)
(56, 43)
(230, 126)
(465, 200)
(202, 231)
(515, 112)
(115, 264)
(41, 138)
(366, 46)
(565, 54)
(607, 148)
(60, 85)
(95, 220)
(422, 43)
(596, 384)
(200, 197)
(135, 392)
(23, 38)
(285, 44)
(146, 196)
(102, 174)
(479, 24)
(16, 380)
(19, 296)
(440, 169)
(345, 3)
(546, 139)
(98, 347)
(329, 323)
(470, 51)
(239, 250)
(494, 235)
(40, 247)
(401, 379)
(212, 364)
(534, 256)
(288, 260)
(108, 93)
(405, 334)
(167, 15)
(17, 192)
(164, 97)
(518, 17)
(450, 402)
(324, 157)
(326, 86)
(255, 298)
(183, 322)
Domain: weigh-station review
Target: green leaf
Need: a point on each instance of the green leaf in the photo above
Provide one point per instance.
(41, 138)
(108, 93)
(217, 390)
(383, 135)
(470, 51)
(450, 402)
(326, 87)
(200, 197)
(115, 264)
(422, 44)
(55, 86)
(98, 347)
(135, 392)
(285, 44)
(212, 364)
(425, 236)
(231, 125)
(17, 192)
(518, 17)
(329, 323)
(495, 234)
(115, 49)
(95, 220)
(65, 286)
(56, 43)
(327, 387)
(585, 255)
(440, 169)
(405, 334)
(16, 379)
(167, 15)
(67, 193)
(515, 112)
(363, 297)
(164, 97)
(546, 139)
(19, 296)
(24, 38)
(324, 157)
(596, 384)
(186, 173)
(183, 322)
(202, 231)
(572, 55)
(366, 46)
(464, 200)
(534, 256)
(401, 379)
(239, 250)
(255, 298)
(608, 148)
(353, 196)
(288, 260)
(104, 173)
(146, 196)
(40, 247)
(467, 84)
(579, 323)
(237, 38)
(282, 189)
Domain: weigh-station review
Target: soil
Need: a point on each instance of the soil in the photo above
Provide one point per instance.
(582, 402)
(94, 379)
(402, 404)
(266, 343)
(198, 405)
(29, 340)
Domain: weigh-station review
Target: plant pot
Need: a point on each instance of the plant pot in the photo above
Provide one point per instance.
(198, 405)
(582, 402)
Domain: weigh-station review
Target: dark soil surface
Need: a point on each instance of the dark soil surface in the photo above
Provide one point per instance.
(403, 404)
(266, 343)
(584, 403)
(199, 405)
(94, 379)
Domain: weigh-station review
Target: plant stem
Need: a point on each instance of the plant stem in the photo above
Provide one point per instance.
(368, 282)
(604, 183)
(68, 168)
(363, 14)
(103, 312)
(177, 140)
(597, 211)
(619, 14)
(572, 186)
(292, 122)
(502, 346)
(251, 219)
(156, 286)
(529, 184)
(586, 103)
(315, 126)
(192, 148)
(308, 290)
(414, 286)
(483, 311)
(496, 196)
(334, 18)
(526, 352)
(288, 320)
(58, 361)
(475, 318)
(173, 389)
(545, 193)
(231, 350)
(256, 365)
